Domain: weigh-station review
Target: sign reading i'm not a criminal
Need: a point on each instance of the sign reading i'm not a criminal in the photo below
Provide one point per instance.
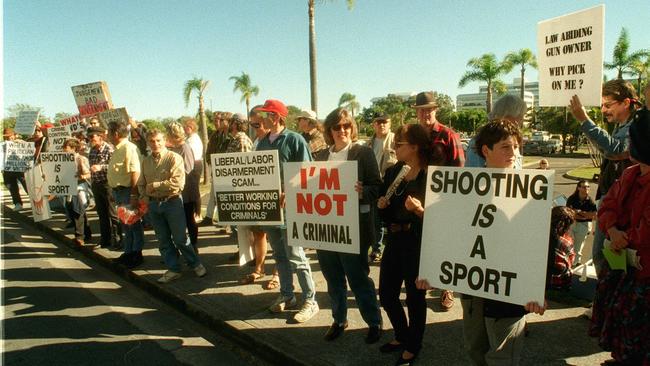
(247, 188)
(485, 232)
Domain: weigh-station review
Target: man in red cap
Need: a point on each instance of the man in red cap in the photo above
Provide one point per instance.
(291, 147)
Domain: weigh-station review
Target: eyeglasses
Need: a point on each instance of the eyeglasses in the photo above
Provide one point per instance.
(338, 127)
(401, 143)
(265, 114)
(609, 105)
(255, 125)
(381, 121)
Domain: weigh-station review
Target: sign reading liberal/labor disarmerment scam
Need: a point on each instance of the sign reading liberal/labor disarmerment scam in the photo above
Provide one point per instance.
(19, 156)
(570, 57)
(60, 171)
(247, 188)
(486, 232)
(322, 205)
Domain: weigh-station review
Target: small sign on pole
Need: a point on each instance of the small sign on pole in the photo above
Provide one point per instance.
(485, 232)
(570, 57)
(26, 122)
(323, 205)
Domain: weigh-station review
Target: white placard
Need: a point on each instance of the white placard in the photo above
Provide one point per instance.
(60, 172)
(485, 232)
(19, 156)
(570, 57)
(37, 197)
(247, 188)
(245, 243)
(92, 98)
(73, 123)
(26, 122)
(56, 137)
(322, 205)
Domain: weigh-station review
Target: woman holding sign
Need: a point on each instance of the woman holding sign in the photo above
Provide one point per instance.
(402, 207)
(341, 134)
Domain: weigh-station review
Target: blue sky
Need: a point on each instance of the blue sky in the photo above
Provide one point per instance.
(146, 49)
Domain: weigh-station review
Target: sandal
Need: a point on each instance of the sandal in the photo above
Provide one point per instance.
(251, 278)
(274, 283)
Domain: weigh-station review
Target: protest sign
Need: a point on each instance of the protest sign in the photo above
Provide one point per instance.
(570, 57)
(113, 115)
(485, 232)
(73, 123)
(37, 197)
(56, 136)
(247, 188)
(26, 122)
(19, 156)
(3, 149)
(322, 205)
(60, 173)
(92, 98)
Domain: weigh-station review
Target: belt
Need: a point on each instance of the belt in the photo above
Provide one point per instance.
(163, 199)
(396, 228)
(119, 188)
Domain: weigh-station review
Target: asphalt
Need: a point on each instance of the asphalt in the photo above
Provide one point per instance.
(239, 311)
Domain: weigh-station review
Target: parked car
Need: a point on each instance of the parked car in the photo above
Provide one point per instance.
(540, 136)
(536, 148)
(554, 145)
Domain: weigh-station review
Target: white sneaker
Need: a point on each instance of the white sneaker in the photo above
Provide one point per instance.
(18, 207)
(169, 276)
(282, 303)
(307, 311)
(200, 270)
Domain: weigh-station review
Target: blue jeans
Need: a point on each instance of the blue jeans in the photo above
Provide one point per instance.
(133, 234)
(289, 260)
(168, 221)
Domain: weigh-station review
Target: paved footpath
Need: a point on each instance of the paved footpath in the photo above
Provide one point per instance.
(239, 311)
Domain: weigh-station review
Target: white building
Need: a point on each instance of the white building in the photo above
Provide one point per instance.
(477, 100)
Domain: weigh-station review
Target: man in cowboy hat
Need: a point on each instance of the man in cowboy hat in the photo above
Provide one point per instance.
(448, 151)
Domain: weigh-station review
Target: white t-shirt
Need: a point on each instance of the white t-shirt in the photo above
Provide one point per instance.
(197, 146)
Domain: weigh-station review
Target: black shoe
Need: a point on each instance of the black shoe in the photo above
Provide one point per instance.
(390, 348)
(402, 362)
(123, 259)
(88, 238)
(374, 334)
(136, 260)
(70, 225)
(104, 245)
(206, 221)
(335, 331)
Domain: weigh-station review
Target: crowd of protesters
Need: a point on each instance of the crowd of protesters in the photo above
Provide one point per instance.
(124, 165)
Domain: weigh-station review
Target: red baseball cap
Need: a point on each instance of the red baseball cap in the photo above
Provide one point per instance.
(275, 106)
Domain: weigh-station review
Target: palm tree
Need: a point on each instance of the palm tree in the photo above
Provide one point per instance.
(312, 51)
(522, 58)
(621, 59)
(199, 86)
(640, 69)
(485, 68)
(243, 84)
(349, 101)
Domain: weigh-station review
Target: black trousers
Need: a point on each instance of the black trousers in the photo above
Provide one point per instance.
(12, 179)
(192, 227)
(109, 227)
(400, 263)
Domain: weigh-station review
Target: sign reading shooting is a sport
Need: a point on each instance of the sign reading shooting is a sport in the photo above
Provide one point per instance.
(485, 232)
(322, 205)
(570, 57)
(60, 171)
(92, 98)
(247, 188)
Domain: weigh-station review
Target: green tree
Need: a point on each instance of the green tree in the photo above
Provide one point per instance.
(349, 101)
(621, 58)
(198, 86)
(398, 109)
(312, 51)
(524, 57)
(61, 115)
(13, 110)
(243, 84)
(292, 118)
(445, 109)
(153, 123)
(640, 69)
(485, 68)
(558, 120)
(470, 120)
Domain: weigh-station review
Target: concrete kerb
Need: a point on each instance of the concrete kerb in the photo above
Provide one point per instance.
(233, 330)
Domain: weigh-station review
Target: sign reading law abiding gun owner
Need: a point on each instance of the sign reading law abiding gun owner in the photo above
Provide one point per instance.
(19, 156)
(26, 122)
(56, 137)
(92, 98)
(322, 205)
(570, 57)
(486, 232)
(247, 188)
(60, 173)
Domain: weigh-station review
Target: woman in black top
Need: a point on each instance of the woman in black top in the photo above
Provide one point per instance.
(403, 214)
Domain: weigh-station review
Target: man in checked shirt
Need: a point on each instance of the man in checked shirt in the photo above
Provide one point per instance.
(447, 148)
(100, 154)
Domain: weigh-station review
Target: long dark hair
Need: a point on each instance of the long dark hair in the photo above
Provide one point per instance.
(562, 218)
(418, 135)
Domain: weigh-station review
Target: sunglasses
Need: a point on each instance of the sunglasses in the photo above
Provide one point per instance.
(265, 114)
(347, 126)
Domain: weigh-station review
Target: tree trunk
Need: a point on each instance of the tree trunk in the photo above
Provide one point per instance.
(312, 57)
(523, 70)
(248, 108)
(204, 132)
(620, 73)
(488, 102)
